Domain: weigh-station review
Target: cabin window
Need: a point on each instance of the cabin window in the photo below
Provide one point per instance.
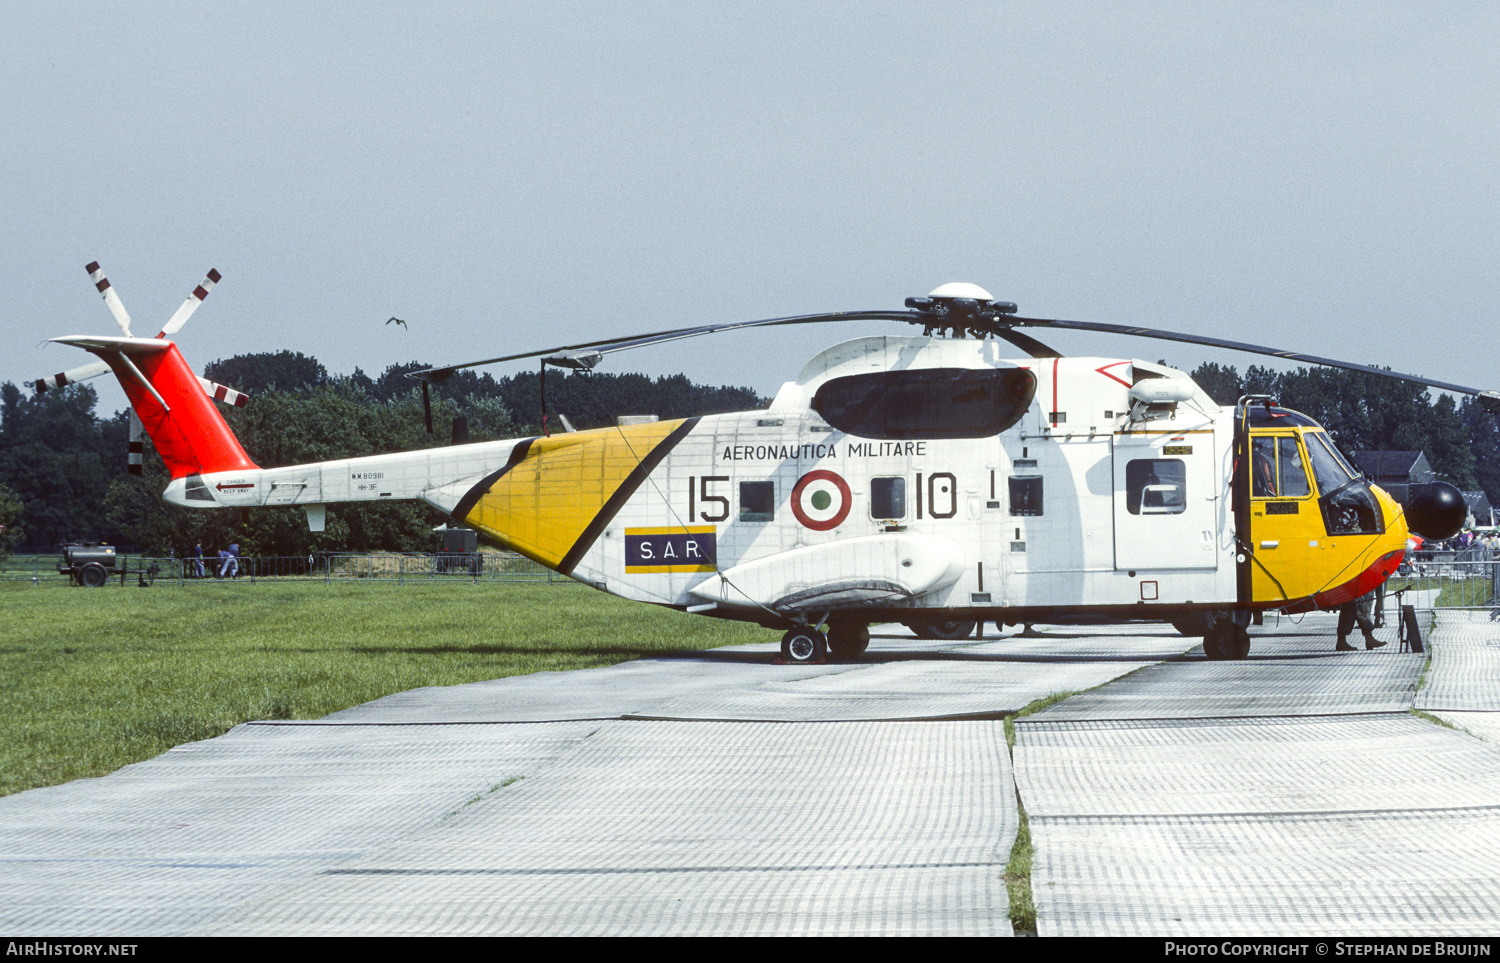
(757, 501)
(1026, 495)
(888, 498)
(1156, 486)
(927, 402)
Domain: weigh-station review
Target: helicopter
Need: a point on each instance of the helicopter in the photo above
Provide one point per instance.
(931, 479)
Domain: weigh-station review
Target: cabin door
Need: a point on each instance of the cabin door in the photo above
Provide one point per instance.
(1165, 501)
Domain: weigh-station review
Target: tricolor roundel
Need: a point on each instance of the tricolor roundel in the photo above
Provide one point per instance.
(821, 500)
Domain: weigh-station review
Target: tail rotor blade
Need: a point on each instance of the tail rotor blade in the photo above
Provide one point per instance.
(137, 444)
(80, 373)
(96, 274)
(219, 392)
(177, 320)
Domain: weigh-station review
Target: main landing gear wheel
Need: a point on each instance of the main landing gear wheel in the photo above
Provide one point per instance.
(848, 640)
(1226, 641)
(804, 646)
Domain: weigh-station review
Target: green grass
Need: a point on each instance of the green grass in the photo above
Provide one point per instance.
(1018, 868)
(91, 680)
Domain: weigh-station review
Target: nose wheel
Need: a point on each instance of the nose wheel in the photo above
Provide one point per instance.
(804, 646)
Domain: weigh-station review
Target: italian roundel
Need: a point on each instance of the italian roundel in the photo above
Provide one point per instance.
(820, 500)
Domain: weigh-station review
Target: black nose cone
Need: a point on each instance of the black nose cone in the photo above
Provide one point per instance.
(1436, 510)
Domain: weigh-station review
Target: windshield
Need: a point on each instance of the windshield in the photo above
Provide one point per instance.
(1329, 467)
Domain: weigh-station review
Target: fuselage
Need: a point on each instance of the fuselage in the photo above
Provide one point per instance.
(899, 474)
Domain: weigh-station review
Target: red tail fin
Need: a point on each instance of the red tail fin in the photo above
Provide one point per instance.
(187, 429)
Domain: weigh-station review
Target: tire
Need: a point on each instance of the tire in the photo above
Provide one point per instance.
(804, 646)
(848, 640)
(93, 575)
(1226, 641)
(946, 631)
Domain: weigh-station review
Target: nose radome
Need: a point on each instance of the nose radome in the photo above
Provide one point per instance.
(1436, 510)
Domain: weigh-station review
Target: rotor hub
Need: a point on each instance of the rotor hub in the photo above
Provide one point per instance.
(961, 309)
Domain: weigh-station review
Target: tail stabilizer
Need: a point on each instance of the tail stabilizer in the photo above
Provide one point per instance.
(187, 429)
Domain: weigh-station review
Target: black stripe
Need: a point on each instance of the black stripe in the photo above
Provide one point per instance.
(471, 498)
(622, 495)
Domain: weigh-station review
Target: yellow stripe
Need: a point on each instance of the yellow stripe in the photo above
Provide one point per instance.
(542, 506)
(674, 530)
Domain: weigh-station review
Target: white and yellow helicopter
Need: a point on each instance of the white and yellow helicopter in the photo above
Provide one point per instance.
(928, 480)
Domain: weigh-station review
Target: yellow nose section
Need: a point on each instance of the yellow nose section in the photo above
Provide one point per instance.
(558, 494)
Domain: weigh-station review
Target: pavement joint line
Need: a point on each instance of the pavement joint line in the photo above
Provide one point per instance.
(653, 870)
(989, 716)
(1184, 721)
(1311, 814)
(317, 724)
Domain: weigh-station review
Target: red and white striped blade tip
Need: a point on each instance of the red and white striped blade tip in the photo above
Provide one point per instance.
(80, 373)
(178, 319)
(111, 299)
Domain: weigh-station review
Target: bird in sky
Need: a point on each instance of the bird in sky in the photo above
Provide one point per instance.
(398, 321)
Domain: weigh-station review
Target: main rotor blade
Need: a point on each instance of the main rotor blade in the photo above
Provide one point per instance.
(180, 316)
(96, 274)
(610, 345)
(1027, 344)
(1490, 397)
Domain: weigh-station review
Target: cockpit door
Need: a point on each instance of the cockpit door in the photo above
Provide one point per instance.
(1285, 525)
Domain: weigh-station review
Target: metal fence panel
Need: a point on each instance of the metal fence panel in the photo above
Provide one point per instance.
(1468, 579)
(136, 569)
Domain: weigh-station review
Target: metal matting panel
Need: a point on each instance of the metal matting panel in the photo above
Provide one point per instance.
(167, 845)
(1327, 764)
(1375, 874)
(608, 692)
(1465, 671)
(685, 828)
(1482, 725)
(899, 677)
(906, 690)
(1094, 643)
(1329, 684)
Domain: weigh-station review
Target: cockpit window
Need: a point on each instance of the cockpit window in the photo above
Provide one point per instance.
(1329, 467)
(1289, 471)
(927, 402)
(1276, 468)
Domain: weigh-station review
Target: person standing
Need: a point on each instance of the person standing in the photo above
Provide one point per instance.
(1360, 610)
(231, 564)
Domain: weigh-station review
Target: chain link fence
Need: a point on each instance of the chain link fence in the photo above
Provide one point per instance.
(137, 570)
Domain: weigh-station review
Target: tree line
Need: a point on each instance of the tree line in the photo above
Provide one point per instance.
(63, 478)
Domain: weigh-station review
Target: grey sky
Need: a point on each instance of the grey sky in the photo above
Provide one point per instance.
(512, 176)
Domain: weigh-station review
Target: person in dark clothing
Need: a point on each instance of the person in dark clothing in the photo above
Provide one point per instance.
(1362, 611)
